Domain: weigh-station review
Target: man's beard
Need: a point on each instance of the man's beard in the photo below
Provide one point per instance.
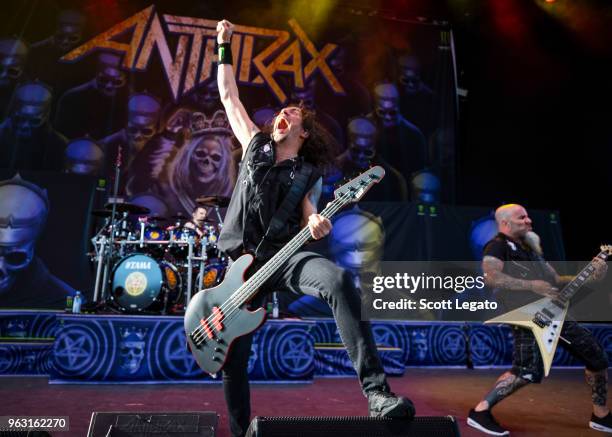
(532, 240)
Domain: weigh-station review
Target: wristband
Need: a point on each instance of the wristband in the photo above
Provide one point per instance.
(225, 54)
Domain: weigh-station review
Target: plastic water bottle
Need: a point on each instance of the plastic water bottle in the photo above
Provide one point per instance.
(275, 308)
(76, 303)
(69, 301)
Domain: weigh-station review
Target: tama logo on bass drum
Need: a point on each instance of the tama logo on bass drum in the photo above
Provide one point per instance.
(138, 265)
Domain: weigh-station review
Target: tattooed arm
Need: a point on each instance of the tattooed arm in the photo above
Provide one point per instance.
(495, 277)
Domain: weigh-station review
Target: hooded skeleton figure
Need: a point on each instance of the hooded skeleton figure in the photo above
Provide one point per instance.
(150, 167)
(84, 156)
(24, 279)
(361, 142)
(23, 213)
(142, 124)
(307, 97)
(387, 111)
(69, 31)
(425, 187)
(27, 140)
(416, 97)
(44, 61)
(399, 141)
(357, 243)
(203, 165)
(143, 120)
(98, 107)
(13, 55)
(409, 72)
(360, 155)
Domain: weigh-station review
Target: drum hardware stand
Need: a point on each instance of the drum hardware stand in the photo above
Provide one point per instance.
(203, 258)
(143, 222)
(189, 271)
(219, 216)
(100, 261)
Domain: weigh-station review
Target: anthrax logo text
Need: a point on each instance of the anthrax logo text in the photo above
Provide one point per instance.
(281, 55)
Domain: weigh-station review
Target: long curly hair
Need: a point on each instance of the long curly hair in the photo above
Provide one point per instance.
(320, 148)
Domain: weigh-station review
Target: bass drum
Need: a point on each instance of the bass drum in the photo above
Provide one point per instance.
(142, 284)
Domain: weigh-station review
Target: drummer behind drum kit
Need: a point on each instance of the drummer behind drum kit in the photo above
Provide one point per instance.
(144, 265)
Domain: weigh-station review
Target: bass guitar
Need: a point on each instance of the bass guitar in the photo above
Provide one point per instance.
(216, 317)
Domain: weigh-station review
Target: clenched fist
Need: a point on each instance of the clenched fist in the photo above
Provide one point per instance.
(224, 31)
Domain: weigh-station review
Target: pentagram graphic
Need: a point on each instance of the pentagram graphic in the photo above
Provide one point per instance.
(76, 350)
(9, 357)
(485, 346)
(295, 352)
(179, 359)
(448, 345)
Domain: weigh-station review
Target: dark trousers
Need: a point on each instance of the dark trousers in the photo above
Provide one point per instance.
(527, 361)
(312, 274)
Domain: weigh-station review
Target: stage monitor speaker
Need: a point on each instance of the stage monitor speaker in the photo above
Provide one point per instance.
(352, 427)
(153, 424)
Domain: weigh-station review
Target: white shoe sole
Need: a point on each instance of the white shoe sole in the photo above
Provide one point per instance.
(598, 427)
(479, 427)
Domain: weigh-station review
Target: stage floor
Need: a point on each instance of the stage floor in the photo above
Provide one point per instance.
(558, 407)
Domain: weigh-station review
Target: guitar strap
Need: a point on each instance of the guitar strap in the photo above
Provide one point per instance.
(290, 202)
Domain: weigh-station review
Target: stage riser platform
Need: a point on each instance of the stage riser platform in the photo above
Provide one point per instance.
(140, 349)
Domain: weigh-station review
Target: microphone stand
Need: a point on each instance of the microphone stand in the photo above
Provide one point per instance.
(111, 245)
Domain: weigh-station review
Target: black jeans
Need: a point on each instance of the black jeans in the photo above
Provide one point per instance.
(527, 361)
(308, 273)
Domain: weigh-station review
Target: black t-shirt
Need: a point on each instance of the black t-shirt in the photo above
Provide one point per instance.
(260, 189)
(519, 262)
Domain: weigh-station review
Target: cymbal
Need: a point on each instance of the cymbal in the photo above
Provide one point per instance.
(220, 201)
(157, 218)
(130, 208)
(101, 212)
(179, 216)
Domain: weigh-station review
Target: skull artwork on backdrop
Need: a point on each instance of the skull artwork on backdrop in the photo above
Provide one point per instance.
(207, 159)
(143, 120)
(206, 97)
(132, 349)
(23, 213)
(409, 69)
(109, 78)
(425, 187)
(13, 54)
(418, 345)
(357, 241)
(30, 109)
(69, 30)
(387, 108)
(83, 156)
(362, 142)
(203, 165)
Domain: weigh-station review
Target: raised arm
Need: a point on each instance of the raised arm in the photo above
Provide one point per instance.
(241, 124)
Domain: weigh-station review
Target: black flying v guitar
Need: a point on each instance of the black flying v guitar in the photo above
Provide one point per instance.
(217, 316)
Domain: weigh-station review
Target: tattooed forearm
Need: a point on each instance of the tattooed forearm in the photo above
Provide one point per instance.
(496, 278)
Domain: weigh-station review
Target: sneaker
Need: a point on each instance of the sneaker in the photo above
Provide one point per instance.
(384, 404)
(485, 422)
(603, 424)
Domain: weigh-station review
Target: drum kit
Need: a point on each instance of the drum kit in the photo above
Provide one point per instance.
(150, 264)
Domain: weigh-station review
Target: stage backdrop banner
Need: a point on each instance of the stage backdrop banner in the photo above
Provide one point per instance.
(140, 78)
